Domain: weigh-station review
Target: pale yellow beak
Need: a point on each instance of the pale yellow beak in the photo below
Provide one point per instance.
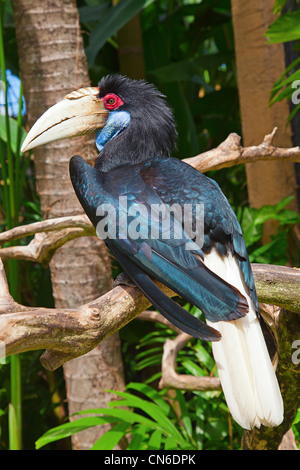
(79, 113)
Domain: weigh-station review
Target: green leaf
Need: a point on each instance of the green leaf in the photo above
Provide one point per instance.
(293, 113)
(70, 428)
(111, 438)
(148, 361)
(216, 428)
(288, 217)
(278, 6)
(170, 444)
(162, 421)
(187, 69)
(285, 28)
(122, 415)
(151, 394)
(185, 416)
(185, 122)
(193, 368)
(285, 216)
(288, 91)
(138, 437)
(293, 65)
(286, 80)
(153, 378)
(264, 254)
(14, 132)
(283, 203)
(149, 351)
(34, 206)
(265, 213)
(251, 232)
(203, 356)
(88, 13)
(297, 417)
(110, 23)
(155, 440)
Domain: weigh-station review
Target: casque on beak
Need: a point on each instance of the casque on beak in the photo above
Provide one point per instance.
(79, 113)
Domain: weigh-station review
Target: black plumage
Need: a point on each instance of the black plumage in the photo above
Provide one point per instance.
(133, 189)
(133, 165)
(152, 130)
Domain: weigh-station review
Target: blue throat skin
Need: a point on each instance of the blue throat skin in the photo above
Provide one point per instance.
(116, 123)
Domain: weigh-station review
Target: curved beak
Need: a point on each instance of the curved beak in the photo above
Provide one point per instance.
(79, 113)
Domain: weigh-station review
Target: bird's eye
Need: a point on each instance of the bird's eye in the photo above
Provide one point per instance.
(112, 101)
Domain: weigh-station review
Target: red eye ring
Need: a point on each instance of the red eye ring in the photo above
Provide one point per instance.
(112, 101)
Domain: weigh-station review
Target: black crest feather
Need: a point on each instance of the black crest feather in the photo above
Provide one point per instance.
(152, 130)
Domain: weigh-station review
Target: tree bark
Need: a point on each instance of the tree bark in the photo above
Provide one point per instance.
(259, 65)
(289, 379)
(53, 63)
(131, 53)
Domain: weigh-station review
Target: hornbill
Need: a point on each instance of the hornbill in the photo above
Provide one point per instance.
(135, 183)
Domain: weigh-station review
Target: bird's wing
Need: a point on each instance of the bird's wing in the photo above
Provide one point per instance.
(177, 182)
(90, 189)
(164, 258)
(167, 307)
(172, 256)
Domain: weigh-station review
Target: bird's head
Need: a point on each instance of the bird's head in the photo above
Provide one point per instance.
(131, 117)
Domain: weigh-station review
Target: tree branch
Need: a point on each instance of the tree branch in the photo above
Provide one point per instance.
(170, 378)
(153, 316)
(66, 333)
(230, 153)
(278, 285)
(49, 225)
(49, 235)
(69, 333)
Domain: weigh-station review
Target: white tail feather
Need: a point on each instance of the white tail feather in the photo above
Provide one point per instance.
(247, 376)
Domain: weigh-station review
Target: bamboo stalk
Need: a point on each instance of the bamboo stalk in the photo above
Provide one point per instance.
(11, 191)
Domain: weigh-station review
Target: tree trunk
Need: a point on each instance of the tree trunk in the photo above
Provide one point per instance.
(259, 65)
(131, 54)
(53, 63)
(287, 372)
(131, 51)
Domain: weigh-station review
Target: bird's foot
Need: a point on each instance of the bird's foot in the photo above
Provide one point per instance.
(123, 279)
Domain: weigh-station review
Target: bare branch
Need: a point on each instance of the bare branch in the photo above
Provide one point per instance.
(278, 285)
(230, 153)
(170, 378)
(152, 315)
(49, 225)
(50, 235)
(7, 303)
(42, 247)
(66, 333)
